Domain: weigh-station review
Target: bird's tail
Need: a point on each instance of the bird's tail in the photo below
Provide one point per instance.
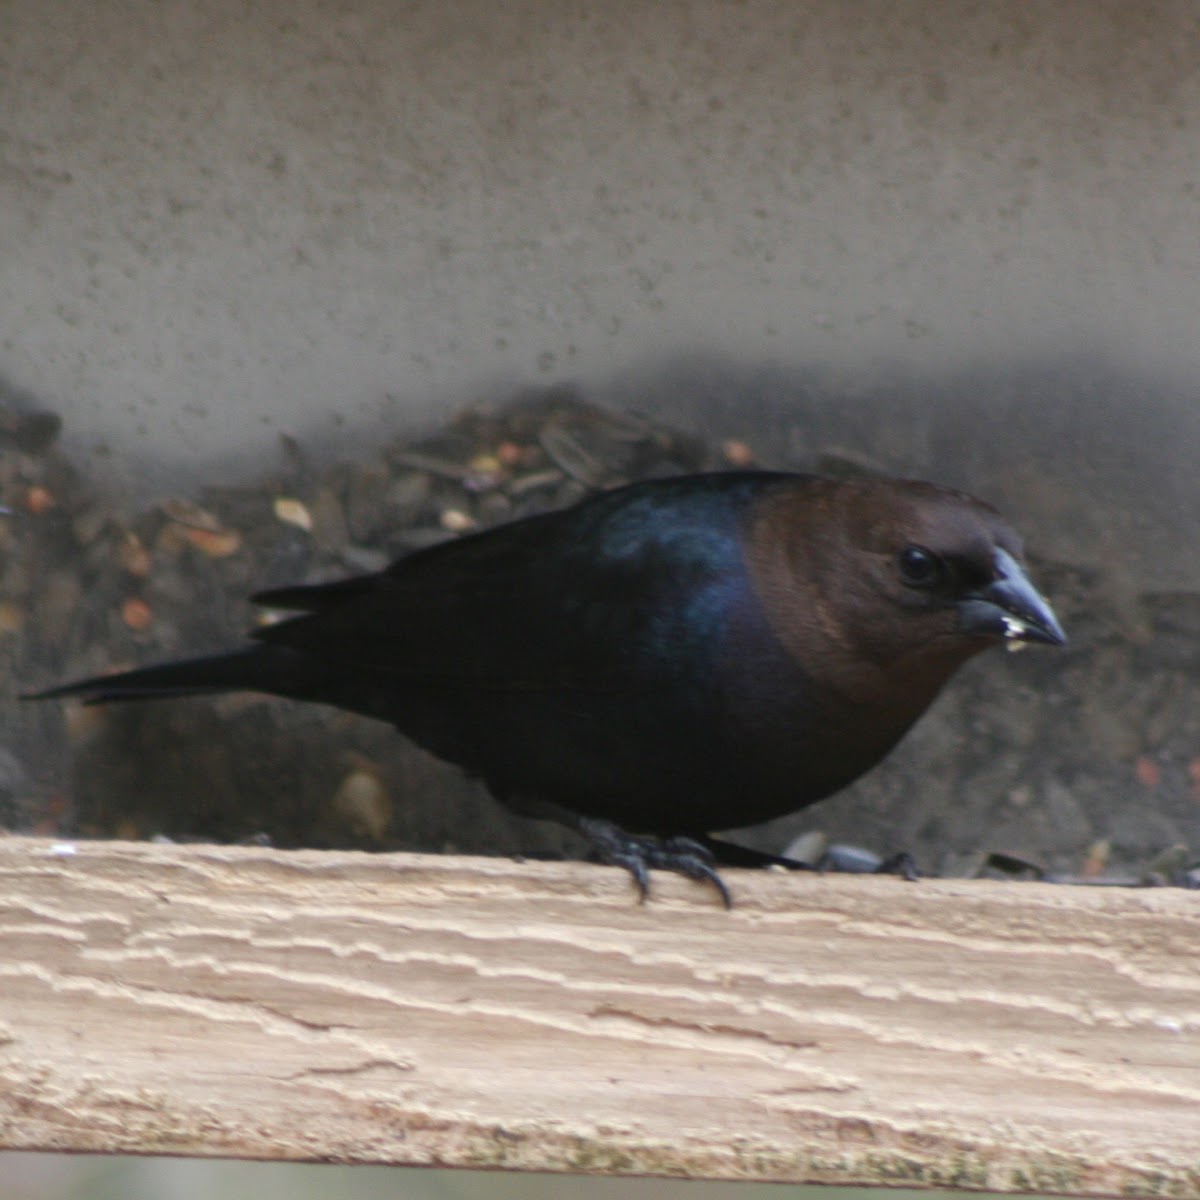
(272, 669)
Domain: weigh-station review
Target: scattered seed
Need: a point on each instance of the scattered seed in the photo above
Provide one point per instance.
(535, 481)
(485, 464)
(737, 454)
(807, 847)
(1095, 861)
(445, 468)
(39, 500)
(510, 454)
(293, 512)
(190, 514)
(565, 449)
(137, 614)
(133, 556)
(457, 521)
(1148, 772)
(363, 560)
(362, 802)
(215, 543)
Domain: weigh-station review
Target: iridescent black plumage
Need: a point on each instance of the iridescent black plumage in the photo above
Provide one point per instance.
(672, 657)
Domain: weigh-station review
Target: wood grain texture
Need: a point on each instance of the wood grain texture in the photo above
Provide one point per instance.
(479, 1012)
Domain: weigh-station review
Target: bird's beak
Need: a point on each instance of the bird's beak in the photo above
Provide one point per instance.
(1010, 608)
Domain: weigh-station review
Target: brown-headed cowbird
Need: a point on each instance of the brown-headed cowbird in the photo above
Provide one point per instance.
(659, 661)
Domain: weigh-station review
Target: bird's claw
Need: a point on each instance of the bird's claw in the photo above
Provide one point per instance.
(639, 854)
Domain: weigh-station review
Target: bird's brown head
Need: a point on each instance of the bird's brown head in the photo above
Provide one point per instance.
(899, 581)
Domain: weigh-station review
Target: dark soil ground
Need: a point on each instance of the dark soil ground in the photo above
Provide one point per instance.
(1084, 761)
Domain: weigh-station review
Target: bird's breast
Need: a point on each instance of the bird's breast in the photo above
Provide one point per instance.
(790, 732)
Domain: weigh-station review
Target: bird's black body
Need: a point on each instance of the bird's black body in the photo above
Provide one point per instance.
(671, 657)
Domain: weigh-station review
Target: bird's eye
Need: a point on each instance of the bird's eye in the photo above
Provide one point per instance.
(920, 567)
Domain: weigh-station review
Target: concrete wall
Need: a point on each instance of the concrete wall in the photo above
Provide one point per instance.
(963, 237)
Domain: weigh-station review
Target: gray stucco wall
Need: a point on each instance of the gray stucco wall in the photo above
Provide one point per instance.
(963, 237)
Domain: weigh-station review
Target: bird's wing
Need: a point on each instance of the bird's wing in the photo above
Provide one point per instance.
(591, 597)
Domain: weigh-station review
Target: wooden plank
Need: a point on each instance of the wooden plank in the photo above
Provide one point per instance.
(478, 1012)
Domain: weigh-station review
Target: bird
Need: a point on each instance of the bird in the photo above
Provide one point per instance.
(656, 662)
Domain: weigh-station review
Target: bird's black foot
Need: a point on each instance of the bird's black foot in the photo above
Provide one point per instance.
(639, 855)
